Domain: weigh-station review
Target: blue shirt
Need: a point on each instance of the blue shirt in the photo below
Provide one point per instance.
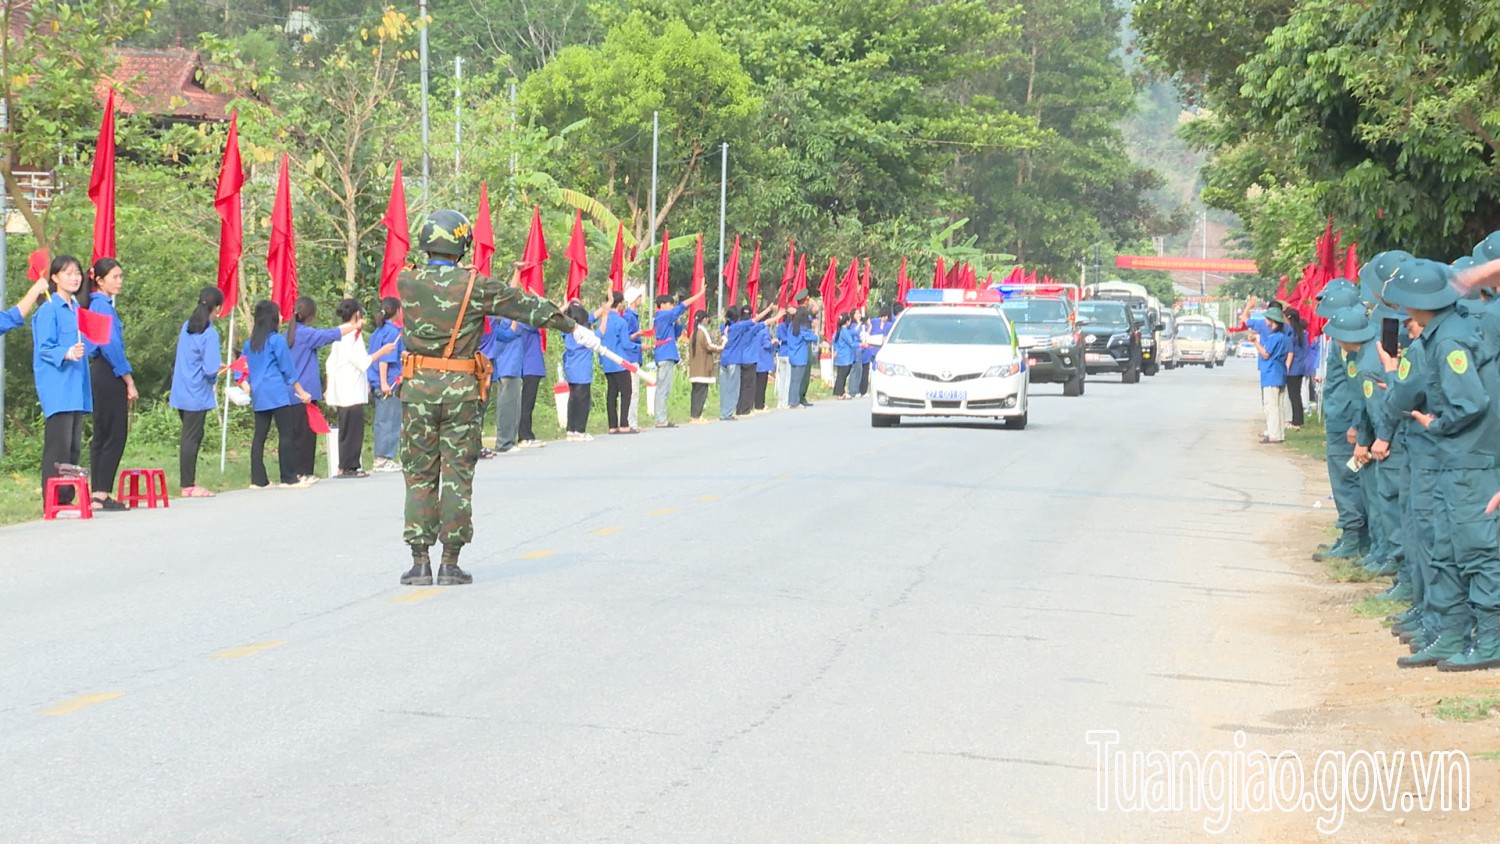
(1304, 356)
(578, 362)
(765, 350)
(11, 319)
(879, 327)
(667, 329)
(846, 346)
(386, 333)
(196, 369)
(532, 361)
(616, 338)
(271, 374)
(782, 329)
(305, 356)
(1273, 368)
(114, 351)
(62, 385)
(737, 348)
(796, 345)
(633, 321)
(509, 348)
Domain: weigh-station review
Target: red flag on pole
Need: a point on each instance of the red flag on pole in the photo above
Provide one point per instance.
(316, 421)
(38, 264)
(827, 291)
(281, 258)
(864, 285)
(799, 282)
(788, 275)
(732, 277)
(903, 282)
(617, 263)
(1351, 263)
(663, 278)
(697, 279)
(847, 295)
(752, 281)
(102, 184)
(231, 225)
(95, 327)
(241, 369)
(535, 254)
(578, 258)
(938, 276)
(398, 237)
(484, 235)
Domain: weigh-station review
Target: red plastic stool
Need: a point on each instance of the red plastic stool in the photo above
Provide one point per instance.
(81, 505)
(156, 488)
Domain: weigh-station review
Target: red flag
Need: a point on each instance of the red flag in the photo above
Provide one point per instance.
(938, 275)
(578, 259)
(398, 237)
(532, 279)
(1282, 293)
(281, 258)
(316, 420)
(847, 295)
(903, 282)
(784, 296)
(96, 327)
(663, 279)
(827, 290)
(752, 281)
(231, 226)
(617, 263)
(864, 285)
(484, 233)
(102, 184)
(731, 275)
(241, 369)
(799, 282)
(38, 264)
(989, 280)
(697, 279)
(1351, 263)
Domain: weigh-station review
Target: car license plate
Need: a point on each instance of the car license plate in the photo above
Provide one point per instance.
(1032, 361)
(947, 395)
(1095, 357)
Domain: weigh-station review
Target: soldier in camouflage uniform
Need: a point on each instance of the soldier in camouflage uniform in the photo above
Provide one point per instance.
(442, 411)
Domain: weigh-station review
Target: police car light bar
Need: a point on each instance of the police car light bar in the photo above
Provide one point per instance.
(1068, 291)
(927, 296)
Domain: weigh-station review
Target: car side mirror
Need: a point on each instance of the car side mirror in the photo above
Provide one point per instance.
(1082, 321)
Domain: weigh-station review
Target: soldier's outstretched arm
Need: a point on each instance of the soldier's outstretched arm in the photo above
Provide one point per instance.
(507, 302)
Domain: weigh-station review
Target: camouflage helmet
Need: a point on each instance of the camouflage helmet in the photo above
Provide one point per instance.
(446, 233)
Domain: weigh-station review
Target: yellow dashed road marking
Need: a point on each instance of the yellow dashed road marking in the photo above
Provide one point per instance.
(606, 531)
(710, 498)
(665, 511)
(416, 595)
(74, 704)
(538, 555)
(247, 650)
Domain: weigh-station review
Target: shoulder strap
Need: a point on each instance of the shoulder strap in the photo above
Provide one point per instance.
(463, 308)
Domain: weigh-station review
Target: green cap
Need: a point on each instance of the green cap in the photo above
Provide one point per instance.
(1488, 249)
(1336, 300)
(1275, 315)
(1351, 325)
(1423, 284)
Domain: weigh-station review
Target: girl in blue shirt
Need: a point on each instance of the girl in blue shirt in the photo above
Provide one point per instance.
(765, 363)
(800, 338)
(60, 370)
(194, 372)
(578, 371)
(113, 386)
(385, 379)
(275, 395)
(533, 367)
(845, 353)
(615, 332)
(304, 341)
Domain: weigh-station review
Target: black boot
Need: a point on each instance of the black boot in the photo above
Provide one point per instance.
(421, 568)
(449, 574)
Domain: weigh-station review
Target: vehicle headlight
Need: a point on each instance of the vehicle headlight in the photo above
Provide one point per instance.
(1063, 341)
(890, 368)
(1090, 338)
(1003, 371)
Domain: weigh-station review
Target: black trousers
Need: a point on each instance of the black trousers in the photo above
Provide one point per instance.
(699, 399)
(111, 426)
(1294, 393)
(747, 390)
(529, 384)
(761, 380)
(351, 437)
(580, 402)
(841, 378)
(62, 442)
(617, 394)
(1312, 391)
(302, 445)
(187, 447)
(286, 426)
(864, 378)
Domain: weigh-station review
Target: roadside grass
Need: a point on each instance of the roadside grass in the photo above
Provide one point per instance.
(1310, 441)
(1467, 708)
(1347, 571)
(1372, 606)
(1487, 755)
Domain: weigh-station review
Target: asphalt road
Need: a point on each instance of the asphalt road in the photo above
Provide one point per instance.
(789, 628)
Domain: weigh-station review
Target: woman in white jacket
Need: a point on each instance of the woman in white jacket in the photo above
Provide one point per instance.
(349, 387)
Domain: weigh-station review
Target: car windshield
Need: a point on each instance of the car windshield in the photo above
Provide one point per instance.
(1195, 331)
(1035, 310)
(949, 329)
(1218, 333)
(1103, 313)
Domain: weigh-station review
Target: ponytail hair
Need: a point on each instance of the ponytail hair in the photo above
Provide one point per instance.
(266, 320)
(209, 300)
(389, 307)
(303, 309)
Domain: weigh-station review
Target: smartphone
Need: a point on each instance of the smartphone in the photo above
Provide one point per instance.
(1390, 336)
(1354, 465)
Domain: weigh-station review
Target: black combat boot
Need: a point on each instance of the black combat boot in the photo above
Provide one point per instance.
(449, 574)
(421, 568)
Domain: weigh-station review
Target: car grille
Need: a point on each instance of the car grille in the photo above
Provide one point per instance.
(927, 376)
(988, 404)
(947, 405)
(907, 403)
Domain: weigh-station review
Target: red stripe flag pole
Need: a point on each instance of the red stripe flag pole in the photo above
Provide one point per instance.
(784, 296)
(231, 224)
(799, 281)
(903, 282)
(731, 277)
(397, 237)
(663, 278)
(102, 184)
(752, 281)
(938, 275)
(827, 289)
(698, 279)
(484, 235)
(281, 258)
(617, 263)
(533, 280)
(578, 259)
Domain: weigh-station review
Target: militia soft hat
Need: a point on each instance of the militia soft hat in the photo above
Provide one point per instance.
(1423, 284)
(1488, 249)
(1374, 275)
(1351, 325)
(1336, 285)
(1275, 315)
(1337, 300)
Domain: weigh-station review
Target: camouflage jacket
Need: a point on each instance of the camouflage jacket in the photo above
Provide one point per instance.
(430, 297)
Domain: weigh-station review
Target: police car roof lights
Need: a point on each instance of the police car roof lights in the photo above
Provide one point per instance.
(928, 296)
(1067, 291)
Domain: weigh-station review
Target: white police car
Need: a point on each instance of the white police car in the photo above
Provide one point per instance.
(950, 353)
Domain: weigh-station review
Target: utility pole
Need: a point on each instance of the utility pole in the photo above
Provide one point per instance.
(723, 197)
(4, 218)
(651, 224)
(513, 159)
(1203, 278)
(458, 110)
(426, 128)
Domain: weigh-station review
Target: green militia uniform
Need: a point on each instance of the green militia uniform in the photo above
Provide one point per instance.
(441, 411)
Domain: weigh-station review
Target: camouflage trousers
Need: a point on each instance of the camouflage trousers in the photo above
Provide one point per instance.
(439, 447)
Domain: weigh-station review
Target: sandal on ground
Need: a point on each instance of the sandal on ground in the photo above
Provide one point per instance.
(195, 492)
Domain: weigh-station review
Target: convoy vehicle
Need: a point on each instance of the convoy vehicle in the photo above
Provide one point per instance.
(1051, 336)
(1112, 339)
(1221, 343)
(1166, 340)
(1195, 341)
(950, 355)
(1147, 310)
(1245, 349)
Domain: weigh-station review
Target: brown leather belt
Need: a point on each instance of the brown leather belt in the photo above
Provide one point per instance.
(417, 363)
